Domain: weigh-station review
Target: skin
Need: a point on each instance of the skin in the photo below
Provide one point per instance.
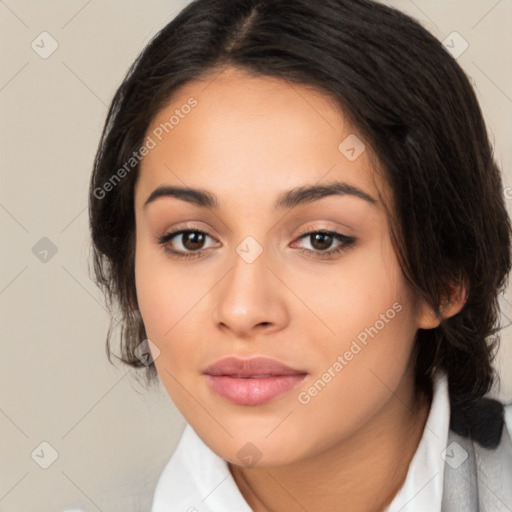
(247, 141)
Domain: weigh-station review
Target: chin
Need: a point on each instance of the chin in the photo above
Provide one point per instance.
(250, 447)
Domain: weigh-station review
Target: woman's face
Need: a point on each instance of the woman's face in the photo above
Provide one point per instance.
(334, 308)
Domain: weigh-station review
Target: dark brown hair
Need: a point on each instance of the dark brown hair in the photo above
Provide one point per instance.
(408, 98)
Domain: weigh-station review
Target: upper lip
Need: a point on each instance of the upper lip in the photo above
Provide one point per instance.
(253, 367)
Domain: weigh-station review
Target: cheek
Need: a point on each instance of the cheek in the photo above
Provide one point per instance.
(351, 297)
(154, 292)
(163, 304)
(374, 321)
(359, 371)
(172, 303)
(164, 291)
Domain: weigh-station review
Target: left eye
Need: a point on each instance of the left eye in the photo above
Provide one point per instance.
(321, 241)
(190, 240)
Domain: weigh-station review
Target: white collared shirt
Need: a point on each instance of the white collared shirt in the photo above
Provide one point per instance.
(196, 479)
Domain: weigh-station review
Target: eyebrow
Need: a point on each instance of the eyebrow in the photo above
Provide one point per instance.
(287, 200)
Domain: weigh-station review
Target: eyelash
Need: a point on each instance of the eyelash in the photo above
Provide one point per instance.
(346, 242)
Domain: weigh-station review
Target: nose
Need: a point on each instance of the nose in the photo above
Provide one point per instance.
(250, 299)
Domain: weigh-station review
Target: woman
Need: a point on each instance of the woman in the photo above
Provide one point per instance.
(296, 207)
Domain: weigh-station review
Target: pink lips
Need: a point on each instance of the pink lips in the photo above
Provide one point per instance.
(251, 381)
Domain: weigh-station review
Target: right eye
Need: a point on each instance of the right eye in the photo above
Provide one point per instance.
(189, 243)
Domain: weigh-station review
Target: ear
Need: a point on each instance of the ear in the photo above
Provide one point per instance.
(428, 319)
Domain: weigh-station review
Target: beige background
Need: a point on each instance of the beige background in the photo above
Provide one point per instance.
(111, 435)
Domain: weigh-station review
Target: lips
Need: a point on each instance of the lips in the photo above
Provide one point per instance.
(252, 381)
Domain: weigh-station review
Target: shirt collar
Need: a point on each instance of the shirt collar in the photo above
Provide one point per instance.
(422, 490)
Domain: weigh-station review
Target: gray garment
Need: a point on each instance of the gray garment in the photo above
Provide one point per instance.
(482, 481)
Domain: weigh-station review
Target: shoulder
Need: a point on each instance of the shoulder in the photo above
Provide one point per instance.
(480, 438)
(508, 417)
(176, 483)
(196, 479)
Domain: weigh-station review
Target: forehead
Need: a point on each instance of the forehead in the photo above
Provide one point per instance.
(254, 135)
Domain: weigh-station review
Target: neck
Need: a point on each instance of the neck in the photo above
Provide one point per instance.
(359, 474)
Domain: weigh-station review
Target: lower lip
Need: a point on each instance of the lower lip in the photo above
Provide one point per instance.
(253, 391)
